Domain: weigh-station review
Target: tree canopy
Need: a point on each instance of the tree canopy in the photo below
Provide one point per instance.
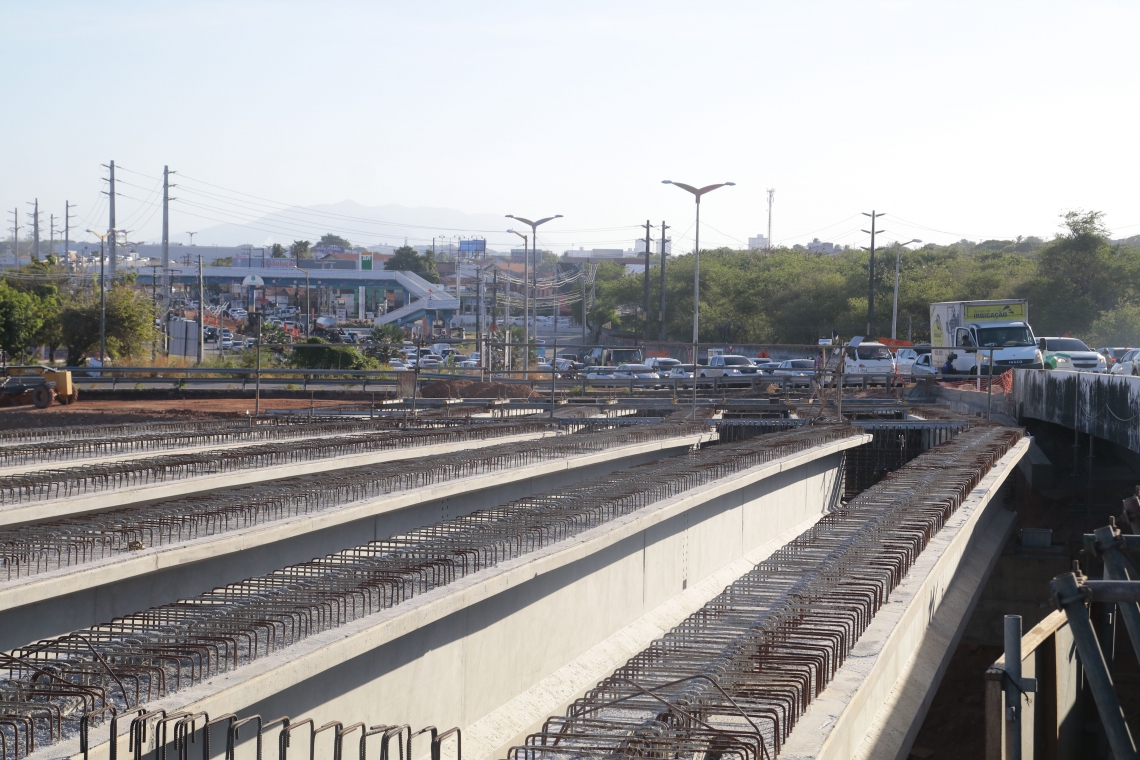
(1079, 283)
(331, 239)
(300, 250)
(405, 259)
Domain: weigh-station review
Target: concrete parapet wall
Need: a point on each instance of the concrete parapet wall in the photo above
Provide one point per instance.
(1105, 406)
(54, 603)
(875, 705)
(459, 653)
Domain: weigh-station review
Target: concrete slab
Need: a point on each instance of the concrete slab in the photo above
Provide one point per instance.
(439, 658)
(872, 707)
(22, 514)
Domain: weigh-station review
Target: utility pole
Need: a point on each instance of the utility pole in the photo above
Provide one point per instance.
(585, 269)
(661, 311)
(111, 219)
(166, 222)
(771, 197)
(646, 307)
(66, 231)
(51, 235)
(35, 229)
(16, 234)
(871, 278)
(202, 315)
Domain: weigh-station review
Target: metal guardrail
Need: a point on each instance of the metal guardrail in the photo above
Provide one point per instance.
(147, 655)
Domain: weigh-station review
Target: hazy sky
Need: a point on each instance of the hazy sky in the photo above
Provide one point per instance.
(959, 119)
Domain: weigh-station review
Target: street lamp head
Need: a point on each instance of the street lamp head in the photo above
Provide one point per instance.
(558, 216)
(730, 184)
(916, 240)
(510, 216)
(666, 182)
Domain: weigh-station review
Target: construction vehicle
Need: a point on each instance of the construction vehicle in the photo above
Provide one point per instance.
(38, 385)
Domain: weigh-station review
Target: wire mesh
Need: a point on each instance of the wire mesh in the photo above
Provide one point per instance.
(144, 656)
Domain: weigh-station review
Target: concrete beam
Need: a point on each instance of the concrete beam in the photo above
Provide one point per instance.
(876, 702)
(36, 511)
(1104, 406)
(50, 604)
(458, 653)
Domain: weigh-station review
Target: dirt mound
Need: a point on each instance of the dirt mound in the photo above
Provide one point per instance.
(469, 389)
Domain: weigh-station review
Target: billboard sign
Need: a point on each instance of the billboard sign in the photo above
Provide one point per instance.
(472, 246)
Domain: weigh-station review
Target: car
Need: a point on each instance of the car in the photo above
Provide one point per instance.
(227, 334)
(802, 371)
(1113, 355)
(210, 334)
(922, 366)
(682, 372)
(1072, 354)
(766, 366)
(250, 342)
(905, 357)
(662, 364)
(636, 372)
(1128, 364)
(601, 375)
(729, 365)
(226, 344)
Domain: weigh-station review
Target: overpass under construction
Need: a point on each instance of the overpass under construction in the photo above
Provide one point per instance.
(759, 588)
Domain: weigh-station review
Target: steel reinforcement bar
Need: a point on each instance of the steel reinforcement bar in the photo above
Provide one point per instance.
(94, 478)
(143, 441)
(733, 678)
(144, 656)
(67, 542)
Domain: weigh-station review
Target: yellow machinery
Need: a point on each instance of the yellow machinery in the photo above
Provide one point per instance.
(40, 385)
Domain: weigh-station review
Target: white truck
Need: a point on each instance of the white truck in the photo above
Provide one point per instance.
(963, 332)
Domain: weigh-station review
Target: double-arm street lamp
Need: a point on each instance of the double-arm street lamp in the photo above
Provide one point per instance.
(526, 275)
(697, 193)
(898, 259)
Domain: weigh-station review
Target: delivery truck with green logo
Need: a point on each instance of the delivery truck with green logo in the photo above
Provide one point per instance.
(962, 333)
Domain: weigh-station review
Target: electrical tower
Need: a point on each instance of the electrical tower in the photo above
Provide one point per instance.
(35, 229)
(871, 277)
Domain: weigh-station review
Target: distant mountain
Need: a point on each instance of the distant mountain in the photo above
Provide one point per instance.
(361, 225)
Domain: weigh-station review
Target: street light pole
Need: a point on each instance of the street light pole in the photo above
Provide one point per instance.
(697, 193)
(895, 311)
(526, 273)
(308, 308)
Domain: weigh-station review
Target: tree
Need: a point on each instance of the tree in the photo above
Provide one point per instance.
(405, 259)
(300, 250)
(315, 353)
(278, 251)
(20, 319)
(129, 319)
(337, 240)
(1078, 276)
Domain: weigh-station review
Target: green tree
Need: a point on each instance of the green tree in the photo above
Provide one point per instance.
(300, 250)
(129, 319)
(405, 259)
(337, 240)
(278, 251)
(20, 319)
(315, 353)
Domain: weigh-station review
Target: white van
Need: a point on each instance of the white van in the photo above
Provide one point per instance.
(868, 358)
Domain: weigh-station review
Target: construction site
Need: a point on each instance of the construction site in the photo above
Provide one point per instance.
(894, 575)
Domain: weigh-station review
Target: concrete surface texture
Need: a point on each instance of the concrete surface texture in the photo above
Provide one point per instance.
(461, 652)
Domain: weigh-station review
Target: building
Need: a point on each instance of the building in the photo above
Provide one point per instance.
(654, 246)
(817, 247)
(758, 243)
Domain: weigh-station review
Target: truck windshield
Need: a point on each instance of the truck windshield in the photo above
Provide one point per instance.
(737, 361)
(1005, 337)
(873, 352)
